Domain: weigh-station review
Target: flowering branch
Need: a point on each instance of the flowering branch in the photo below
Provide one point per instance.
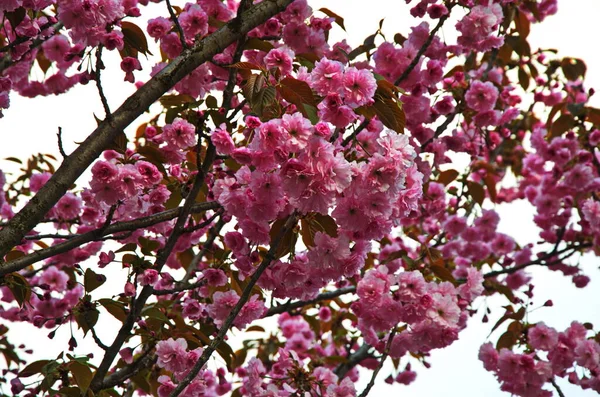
(353, 359)
(177, 25)
(209, 350)
(76, 163)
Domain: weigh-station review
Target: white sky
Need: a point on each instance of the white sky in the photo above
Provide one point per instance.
(30, 126)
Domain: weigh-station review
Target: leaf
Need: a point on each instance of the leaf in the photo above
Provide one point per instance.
(476, 191)
(446, 177)
(522, 24)
(338, 19)
(523, 78)
(255, 328)
(19, 287)
(301, 88)
(82, 374)
(127, 247)
(115, 308)
(287, 243)
(573, 68)
(119, 144)
(33, 368)
(175, 100)
(16, 17)
(14, 159)
(257, 44)
(92, 280)
(315, 222)
(564, 123)
(244, 66)
(507, 340)
(490, 183)
(87, 319)
(399, 39)
(135, 37)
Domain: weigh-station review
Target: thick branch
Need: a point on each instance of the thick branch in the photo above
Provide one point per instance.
(121, 375)
(76, 163)
(287, 307)
(209, 350)
(97, 234)
(360, 354)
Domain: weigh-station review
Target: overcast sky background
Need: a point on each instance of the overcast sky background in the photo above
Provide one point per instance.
(30, 126)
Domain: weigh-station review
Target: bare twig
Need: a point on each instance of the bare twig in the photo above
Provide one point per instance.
(212, 235)
(97, 339)
(142, 361)
(557, 387)
(179, 288)
(99, 67)
(177, 25)
(60, 143)
(287, 307)
(541, 260)
(384, 356)
(208, 350)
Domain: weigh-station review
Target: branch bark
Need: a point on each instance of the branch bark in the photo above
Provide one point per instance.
(76, 163)
(97, 234)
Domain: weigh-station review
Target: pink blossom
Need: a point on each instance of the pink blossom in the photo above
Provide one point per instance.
(542, 337)
(359, 87)
(327, 77)
(180, 133)
(171, 354)
(194, 22)
(481, 96)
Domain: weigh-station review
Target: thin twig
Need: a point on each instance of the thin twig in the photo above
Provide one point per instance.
(557, 387)
(384, 356)
(97, 339)
(100, 66)
(353, 359)
(287, 307)
(540, 261)
(442, 127)
(208, 350)
(177, 25)
(212, 235)
(424, 47)
(60, 143)
(180, 288)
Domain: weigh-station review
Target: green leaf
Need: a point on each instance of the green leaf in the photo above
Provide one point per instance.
(82, 374)
(115, 308)
(19, 287)
(33, 368)
(92, 280)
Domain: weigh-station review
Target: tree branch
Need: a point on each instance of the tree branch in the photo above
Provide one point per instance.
(177, 25)
(360, 354)
(99, 67)
(94, 235)
(287, 307)
(161, 258)
(208, 350)
(384, 356)
(212, 235)
(424, 47)
(540, 261)
(76, 163)
(126, 372)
